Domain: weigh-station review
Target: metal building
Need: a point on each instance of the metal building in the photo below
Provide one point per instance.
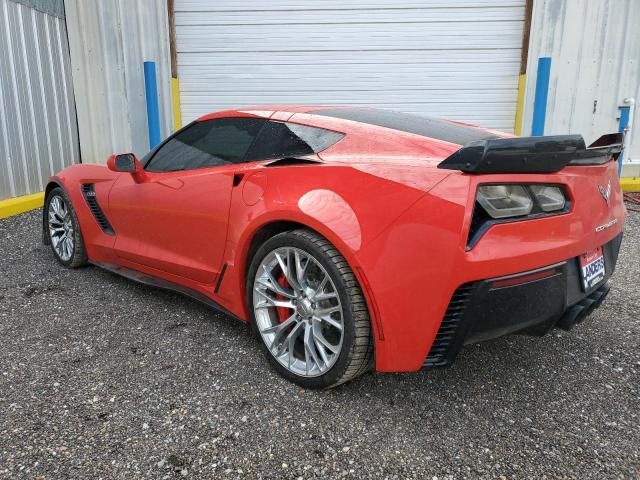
(109, 42)
(594, 52)
(471, 60)
(38, 128)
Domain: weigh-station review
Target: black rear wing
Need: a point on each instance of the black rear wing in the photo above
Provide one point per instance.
(546, 154)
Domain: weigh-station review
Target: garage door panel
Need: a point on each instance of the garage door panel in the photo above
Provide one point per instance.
(371, 96)
(407, 58)
(306, 5)
(363, 37)
(348, 86)
(457, 59)
(488, 96)
(500, 110)
(357, 16)
(222, 67)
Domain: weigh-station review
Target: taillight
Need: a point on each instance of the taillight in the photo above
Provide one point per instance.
(508, 202)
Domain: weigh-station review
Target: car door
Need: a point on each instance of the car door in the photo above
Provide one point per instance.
(175, 220)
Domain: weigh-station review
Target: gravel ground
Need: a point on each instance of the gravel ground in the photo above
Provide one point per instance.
(104, 378)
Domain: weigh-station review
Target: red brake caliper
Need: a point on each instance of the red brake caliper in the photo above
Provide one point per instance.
(283, 312)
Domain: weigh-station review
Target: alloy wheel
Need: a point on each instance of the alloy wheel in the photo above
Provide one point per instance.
(61, 231)
(298, 311)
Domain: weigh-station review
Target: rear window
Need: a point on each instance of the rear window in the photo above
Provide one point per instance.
(282, 139)
(405, 122)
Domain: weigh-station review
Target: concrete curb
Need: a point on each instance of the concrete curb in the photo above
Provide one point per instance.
(16, 205)
(630, 184)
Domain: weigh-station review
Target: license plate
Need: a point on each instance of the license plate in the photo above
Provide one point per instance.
(592, 266)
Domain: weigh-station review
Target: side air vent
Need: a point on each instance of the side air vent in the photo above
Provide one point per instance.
(90, 196)
(449, 338)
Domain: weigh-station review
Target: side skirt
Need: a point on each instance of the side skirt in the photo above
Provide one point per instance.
(165, 285)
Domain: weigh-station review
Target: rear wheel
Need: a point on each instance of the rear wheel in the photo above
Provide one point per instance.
(307, 308)
(64, 230)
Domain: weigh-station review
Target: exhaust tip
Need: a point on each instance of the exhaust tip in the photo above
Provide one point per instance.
(580, 311)
(570, 318)
(588, 305)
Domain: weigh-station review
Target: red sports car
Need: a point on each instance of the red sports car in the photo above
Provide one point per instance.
(354, 239)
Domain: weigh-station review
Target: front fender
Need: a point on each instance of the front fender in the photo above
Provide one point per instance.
(71, 179)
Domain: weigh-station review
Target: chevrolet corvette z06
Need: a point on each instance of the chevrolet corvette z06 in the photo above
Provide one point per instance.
(354, 239)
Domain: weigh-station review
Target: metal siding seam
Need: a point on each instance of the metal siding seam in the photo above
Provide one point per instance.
(129, 34)
(103, 44)
(4, 134)
(71, 99)
(12, 68)
(54, 90)
(42, 91)
(65, 93)
(35, 173)
(165, 79)
(541, 95)
(522, 82)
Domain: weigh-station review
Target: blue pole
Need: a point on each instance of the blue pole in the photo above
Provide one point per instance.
(624, 118)
(151, 91)
(624, 121)
(541, 95)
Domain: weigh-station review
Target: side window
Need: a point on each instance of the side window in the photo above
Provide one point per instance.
(206, 144)
(282, 139)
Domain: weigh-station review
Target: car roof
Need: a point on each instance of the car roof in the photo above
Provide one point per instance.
(326, 116)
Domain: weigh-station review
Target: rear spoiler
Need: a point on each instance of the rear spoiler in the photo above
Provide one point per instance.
(546, 154)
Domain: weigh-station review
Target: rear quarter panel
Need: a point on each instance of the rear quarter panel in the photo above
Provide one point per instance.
(346, 205)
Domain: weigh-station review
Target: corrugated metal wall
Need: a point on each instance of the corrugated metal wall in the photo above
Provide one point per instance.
(594, 47)
(38, 134)
(109, 41)
(454, 58)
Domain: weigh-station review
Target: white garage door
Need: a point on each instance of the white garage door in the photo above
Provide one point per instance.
(455, 58)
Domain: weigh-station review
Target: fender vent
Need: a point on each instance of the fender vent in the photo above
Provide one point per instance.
(89, 195)
(449, 338)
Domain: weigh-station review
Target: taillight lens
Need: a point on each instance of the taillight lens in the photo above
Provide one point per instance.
(499, 203)
(513, 200)
(503, 201)
(549, 197)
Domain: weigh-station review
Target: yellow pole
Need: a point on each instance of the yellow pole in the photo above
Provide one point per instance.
(520, 104)
(175, 97)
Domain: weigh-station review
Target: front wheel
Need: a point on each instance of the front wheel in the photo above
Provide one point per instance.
(63, 229)
(307, 308)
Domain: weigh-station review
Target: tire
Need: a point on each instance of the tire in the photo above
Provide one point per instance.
(341, 339)
(61, 221)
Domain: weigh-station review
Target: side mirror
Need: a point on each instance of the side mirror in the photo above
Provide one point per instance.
(128, 163)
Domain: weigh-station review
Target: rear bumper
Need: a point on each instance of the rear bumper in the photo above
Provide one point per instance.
(531, 302)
